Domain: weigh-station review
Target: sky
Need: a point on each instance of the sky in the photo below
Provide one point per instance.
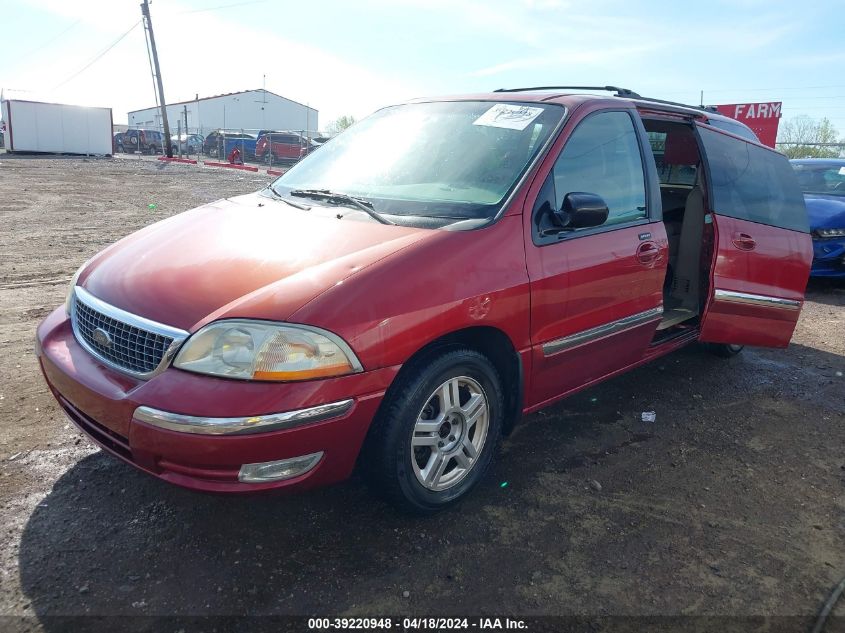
(350, 58)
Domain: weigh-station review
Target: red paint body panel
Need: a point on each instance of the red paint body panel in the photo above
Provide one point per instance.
(587, 282)
(235, 258)
(386, 316)
(778, 266)
(653, 352)
(110, 398)
(579, 284)
(388, 291)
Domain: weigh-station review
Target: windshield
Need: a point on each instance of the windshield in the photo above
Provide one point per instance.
(449, 160)
(827, 179)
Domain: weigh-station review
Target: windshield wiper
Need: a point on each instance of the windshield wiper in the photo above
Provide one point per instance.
(293, 203)
(342, 198)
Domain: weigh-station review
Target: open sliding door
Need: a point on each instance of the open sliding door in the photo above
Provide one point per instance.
(763, 250)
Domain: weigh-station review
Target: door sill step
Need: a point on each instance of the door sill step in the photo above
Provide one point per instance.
(675, 316)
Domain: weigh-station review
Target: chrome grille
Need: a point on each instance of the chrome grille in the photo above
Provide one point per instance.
(122, 340)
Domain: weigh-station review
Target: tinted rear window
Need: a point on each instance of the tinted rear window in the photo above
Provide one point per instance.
(753, 183)
(735, 128)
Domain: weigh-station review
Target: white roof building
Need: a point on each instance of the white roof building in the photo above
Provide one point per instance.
(249, 110)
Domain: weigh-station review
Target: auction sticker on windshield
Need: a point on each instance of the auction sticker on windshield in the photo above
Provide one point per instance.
(506, 115)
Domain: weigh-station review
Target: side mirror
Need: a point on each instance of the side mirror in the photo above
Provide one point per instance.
(580, 210)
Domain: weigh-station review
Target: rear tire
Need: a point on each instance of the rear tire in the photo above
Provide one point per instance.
(436, 432)
(724, 350)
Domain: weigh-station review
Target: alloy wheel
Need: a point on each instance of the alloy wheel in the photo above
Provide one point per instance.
(450, 433)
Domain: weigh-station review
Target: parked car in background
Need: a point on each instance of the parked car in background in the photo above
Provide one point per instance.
(190, 143)
(220, 144)
(823, 182)
(398, 299)
(144, 141)
(118, 143)
(281, 147)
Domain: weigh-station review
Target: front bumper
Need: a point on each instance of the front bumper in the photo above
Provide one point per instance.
(103, 402)
(828, 258)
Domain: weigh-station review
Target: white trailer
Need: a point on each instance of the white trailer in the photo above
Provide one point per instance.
(56, 128)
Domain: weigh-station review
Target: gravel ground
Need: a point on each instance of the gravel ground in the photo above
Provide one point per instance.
(730, 503)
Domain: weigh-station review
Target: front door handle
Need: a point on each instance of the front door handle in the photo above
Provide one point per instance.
(648, 254)
(744, 242)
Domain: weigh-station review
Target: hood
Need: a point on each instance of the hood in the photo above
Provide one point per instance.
(824, 211)
(251, 256)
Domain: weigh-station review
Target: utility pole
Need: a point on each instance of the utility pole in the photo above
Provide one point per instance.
(148, 23)
(263, 101)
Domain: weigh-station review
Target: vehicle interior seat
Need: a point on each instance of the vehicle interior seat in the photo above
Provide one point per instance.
(681, 297)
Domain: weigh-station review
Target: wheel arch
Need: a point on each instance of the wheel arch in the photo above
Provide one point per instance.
(498, 348)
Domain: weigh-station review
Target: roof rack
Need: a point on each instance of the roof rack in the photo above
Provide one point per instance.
(682, 105)
(620, 92)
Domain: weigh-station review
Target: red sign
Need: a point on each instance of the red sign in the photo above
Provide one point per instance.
(763, 118)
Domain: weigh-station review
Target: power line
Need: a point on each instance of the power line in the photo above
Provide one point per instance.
(815, 108)
(707, 90)
(91, 63)
(773, 89)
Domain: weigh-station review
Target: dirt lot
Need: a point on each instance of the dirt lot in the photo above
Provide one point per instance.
(731, 503)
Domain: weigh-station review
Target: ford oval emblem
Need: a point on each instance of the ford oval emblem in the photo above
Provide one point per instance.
(101, 337)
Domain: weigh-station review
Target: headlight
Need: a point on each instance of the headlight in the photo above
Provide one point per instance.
(262, 350)
(73, 280)
(828, 233)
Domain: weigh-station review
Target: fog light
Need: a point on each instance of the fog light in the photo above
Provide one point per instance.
(278, 470)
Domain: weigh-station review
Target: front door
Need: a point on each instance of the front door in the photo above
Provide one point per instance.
(596, 293)
(763, 249)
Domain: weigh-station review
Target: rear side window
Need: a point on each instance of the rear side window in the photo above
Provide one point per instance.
(753, 183)
(603, 157)
(735, 128)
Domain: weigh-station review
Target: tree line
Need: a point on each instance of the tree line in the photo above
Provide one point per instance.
(806, 137)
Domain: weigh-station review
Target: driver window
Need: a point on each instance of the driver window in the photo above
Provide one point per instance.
(603, 157)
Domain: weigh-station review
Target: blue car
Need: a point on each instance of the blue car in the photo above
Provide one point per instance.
(823, 182)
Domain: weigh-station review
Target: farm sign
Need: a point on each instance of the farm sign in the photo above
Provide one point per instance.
(763, 118)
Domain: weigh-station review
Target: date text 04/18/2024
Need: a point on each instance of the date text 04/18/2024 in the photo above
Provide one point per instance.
(416, 624)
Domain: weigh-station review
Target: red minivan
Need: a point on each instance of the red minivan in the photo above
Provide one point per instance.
(399, 299)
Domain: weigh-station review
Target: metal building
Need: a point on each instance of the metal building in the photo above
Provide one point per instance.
(246, 110)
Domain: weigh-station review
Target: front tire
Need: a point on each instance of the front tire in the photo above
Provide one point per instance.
(436, 431)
